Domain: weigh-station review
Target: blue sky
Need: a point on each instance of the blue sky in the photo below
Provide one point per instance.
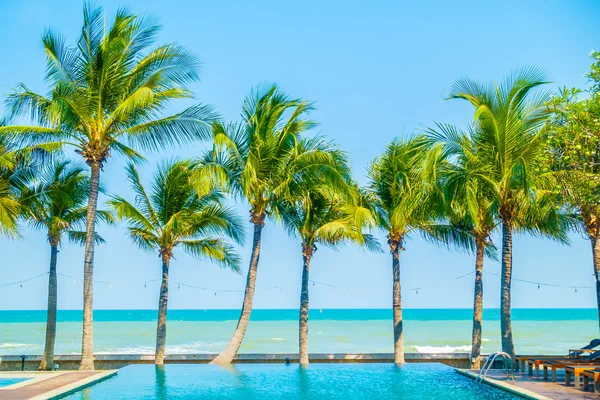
(375, 70)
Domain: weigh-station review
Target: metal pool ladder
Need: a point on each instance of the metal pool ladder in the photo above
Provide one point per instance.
(508, 365)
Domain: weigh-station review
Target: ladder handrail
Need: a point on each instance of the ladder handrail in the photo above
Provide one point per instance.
(489, 362)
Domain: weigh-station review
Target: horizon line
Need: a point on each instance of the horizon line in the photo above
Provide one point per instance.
(296, 309)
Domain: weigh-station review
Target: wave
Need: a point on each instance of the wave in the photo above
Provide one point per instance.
(277, 339)
(485, 340)
(16, 345)
(198, 347)
(128, 350)
(443, 349)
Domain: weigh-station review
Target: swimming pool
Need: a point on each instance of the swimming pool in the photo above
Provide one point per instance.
(4, 382)
(290, 382)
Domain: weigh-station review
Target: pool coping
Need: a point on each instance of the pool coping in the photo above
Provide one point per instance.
(76, 386)
(30, 376)
(59, 392)
(525, 393)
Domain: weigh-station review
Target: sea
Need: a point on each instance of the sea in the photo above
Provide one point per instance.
(547, 331)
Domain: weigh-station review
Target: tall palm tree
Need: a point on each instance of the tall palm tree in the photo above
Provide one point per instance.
(174, 215)
(469, 207)
(55, 201)
(326, 213)
(405, 203)
(510, 117)
(261, 160)
(107, 93)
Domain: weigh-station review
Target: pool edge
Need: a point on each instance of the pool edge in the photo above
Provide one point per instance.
(76, 386)
(527, 394)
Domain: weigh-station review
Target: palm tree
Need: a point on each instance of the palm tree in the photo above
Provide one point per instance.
(509, 117)
(55, 201)
(174, 215)
(470, 207)
(10, 172)
(17, 166)
(107, 93)
(326, 213)
(262, 162)
(405, 203)
(573, 148)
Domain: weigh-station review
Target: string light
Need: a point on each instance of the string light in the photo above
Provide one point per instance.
(20, 283)
(347, 290)
(416, 290)
(314, 284)
(539, 284)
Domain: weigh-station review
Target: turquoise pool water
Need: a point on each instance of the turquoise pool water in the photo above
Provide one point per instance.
(10, 381)
(291, 382)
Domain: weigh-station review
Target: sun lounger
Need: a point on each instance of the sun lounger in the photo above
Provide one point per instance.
(521, 362)
(554, 365)
(589, 348)
(594, 374)
(574, 372)
(536, 361)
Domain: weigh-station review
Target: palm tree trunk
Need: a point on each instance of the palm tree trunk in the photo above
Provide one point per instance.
(478, 305)
(397, 303)
(227, 356)
(596, 259)
(48, 357)
(87, 351)
(506, 279)
(307, 251)
(161, 328)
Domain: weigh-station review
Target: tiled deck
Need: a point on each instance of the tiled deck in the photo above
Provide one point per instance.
(536, 388)
(47, 385)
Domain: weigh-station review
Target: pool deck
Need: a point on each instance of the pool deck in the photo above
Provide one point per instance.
(48, 385)
(532, 387)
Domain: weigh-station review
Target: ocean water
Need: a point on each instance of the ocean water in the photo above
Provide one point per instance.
(550, 331)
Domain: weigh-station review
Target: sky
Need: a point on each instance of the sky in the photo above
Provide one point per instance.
(376, 70)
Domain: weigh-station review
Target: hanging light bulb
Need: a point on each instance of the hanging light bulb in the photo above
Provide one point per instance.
(144, 284)
(21, 285)
(178, 286)
(538, 285)
(215, 293)
(313, 283)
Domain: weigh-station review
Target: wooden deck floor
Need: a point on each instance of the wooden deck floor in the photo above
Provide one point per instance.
(41, 386)
(544, 389)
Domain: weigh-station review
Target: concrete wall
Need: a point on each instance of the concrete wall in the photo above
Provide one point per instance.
(114, 361)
